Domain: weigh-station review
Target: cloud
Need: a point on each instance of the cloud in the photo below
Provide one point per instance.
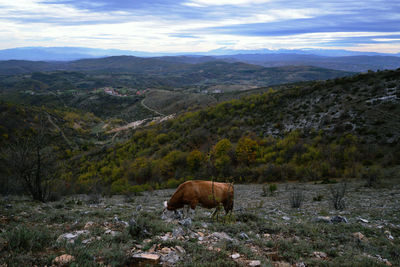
(200, 25)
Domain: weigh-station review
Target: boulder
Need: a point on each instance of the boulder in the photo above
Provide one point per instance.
(63, 260)
(339, 219)
(144, 259)
(71, 237)
(255, 263)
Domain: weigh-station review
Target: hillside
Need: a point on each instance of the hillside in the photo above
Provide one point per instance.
(336, 128)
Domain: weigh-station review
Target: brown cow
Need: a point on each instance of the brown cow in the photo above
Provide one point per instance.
(206, 193)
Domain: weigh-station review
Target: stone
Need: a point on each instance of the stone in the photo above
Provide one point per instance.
(176, 232)
(139, 207)
(165, 250)
(112, 233)
(359, 236)
(88, 225)
(235, 256)
(88, 241)
(145, 259)
(281, 264)
(186, 222)
(363, 220)
(244, 236)
(320, 255)
(170, 259)
(180, 249)
(325, 219)
(255, 263)
(388, 235)
(71, 237)
(339, 219)
(63, 260)
(286, 218)
(221, 235)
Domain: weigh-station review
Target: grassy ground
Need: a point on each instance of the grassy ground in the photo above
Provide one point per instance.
(263, 227)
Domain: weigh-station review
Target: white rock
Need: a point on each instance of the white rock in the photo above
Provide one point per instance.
(235, 256)
(255, 263)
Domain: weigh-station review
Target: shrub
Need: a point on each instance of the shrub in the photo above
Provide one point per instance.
(337, 195)
(372, 175)
(296, 198)
(23, 238)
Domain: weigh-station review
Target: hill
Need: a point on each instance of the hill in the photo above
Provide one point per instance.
(359, 63)
(314, 130)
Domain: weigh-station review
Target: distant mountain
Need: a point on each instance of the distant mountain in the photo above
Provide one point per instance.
(74, 53)
(360, 63)
(64, 53)
(173, 72)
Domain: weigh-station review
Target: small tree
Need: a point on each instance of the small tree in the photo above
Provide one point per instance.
(32, 162)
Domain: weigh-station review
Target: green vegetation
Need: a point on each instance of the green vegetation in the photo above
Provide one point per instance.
(306, 131)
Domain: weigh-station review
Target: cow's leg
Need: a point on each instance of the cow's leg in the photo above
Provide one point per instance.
(216, 211)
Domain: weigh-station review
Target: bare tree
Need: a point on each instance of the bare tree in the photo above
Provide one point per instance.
(31, 161)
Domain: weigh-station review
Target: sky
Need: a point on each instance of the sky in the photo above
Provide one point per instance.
(202, 25)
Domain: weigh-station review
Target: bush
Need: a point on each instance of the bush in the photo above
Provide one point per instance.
(337, 195)
(372, 175)
(23, 238)
(296, 198)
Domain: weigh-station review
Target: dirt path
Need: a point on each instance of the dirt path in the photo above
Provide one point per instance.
(152, 110)
(59, 129)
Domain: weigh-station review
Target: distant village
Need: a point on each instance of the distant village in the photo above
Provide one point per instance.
(114, 92)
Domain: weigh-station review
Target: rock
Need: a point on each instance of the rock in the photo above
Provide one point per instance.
(178, 214)
(88, 241)
(255, 263)
(221, 235)
(200, 234)
(235, 256)
(88, 225)
(388, 235)
(320, 255)
(71, 237)
(186, 222)
(176, 232)
(8, 206)
(166, 237)
(286, 218)
(363, 220)
(139, 207)
(145, 259)
(112, 233)
(360, 237)
(204, 225)
(244, 236)
(300, 264)
(325, 219)
(281, 264)
(63, 260)
(165, 250)
(170, 259)
(180, 249)
(339, 219)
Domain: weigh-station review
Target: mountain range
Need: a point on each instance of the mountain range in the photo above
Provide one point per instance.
(56, 58)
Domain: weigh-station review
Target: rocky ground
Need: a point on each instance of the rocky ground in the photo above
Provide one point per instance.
(264, 229)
